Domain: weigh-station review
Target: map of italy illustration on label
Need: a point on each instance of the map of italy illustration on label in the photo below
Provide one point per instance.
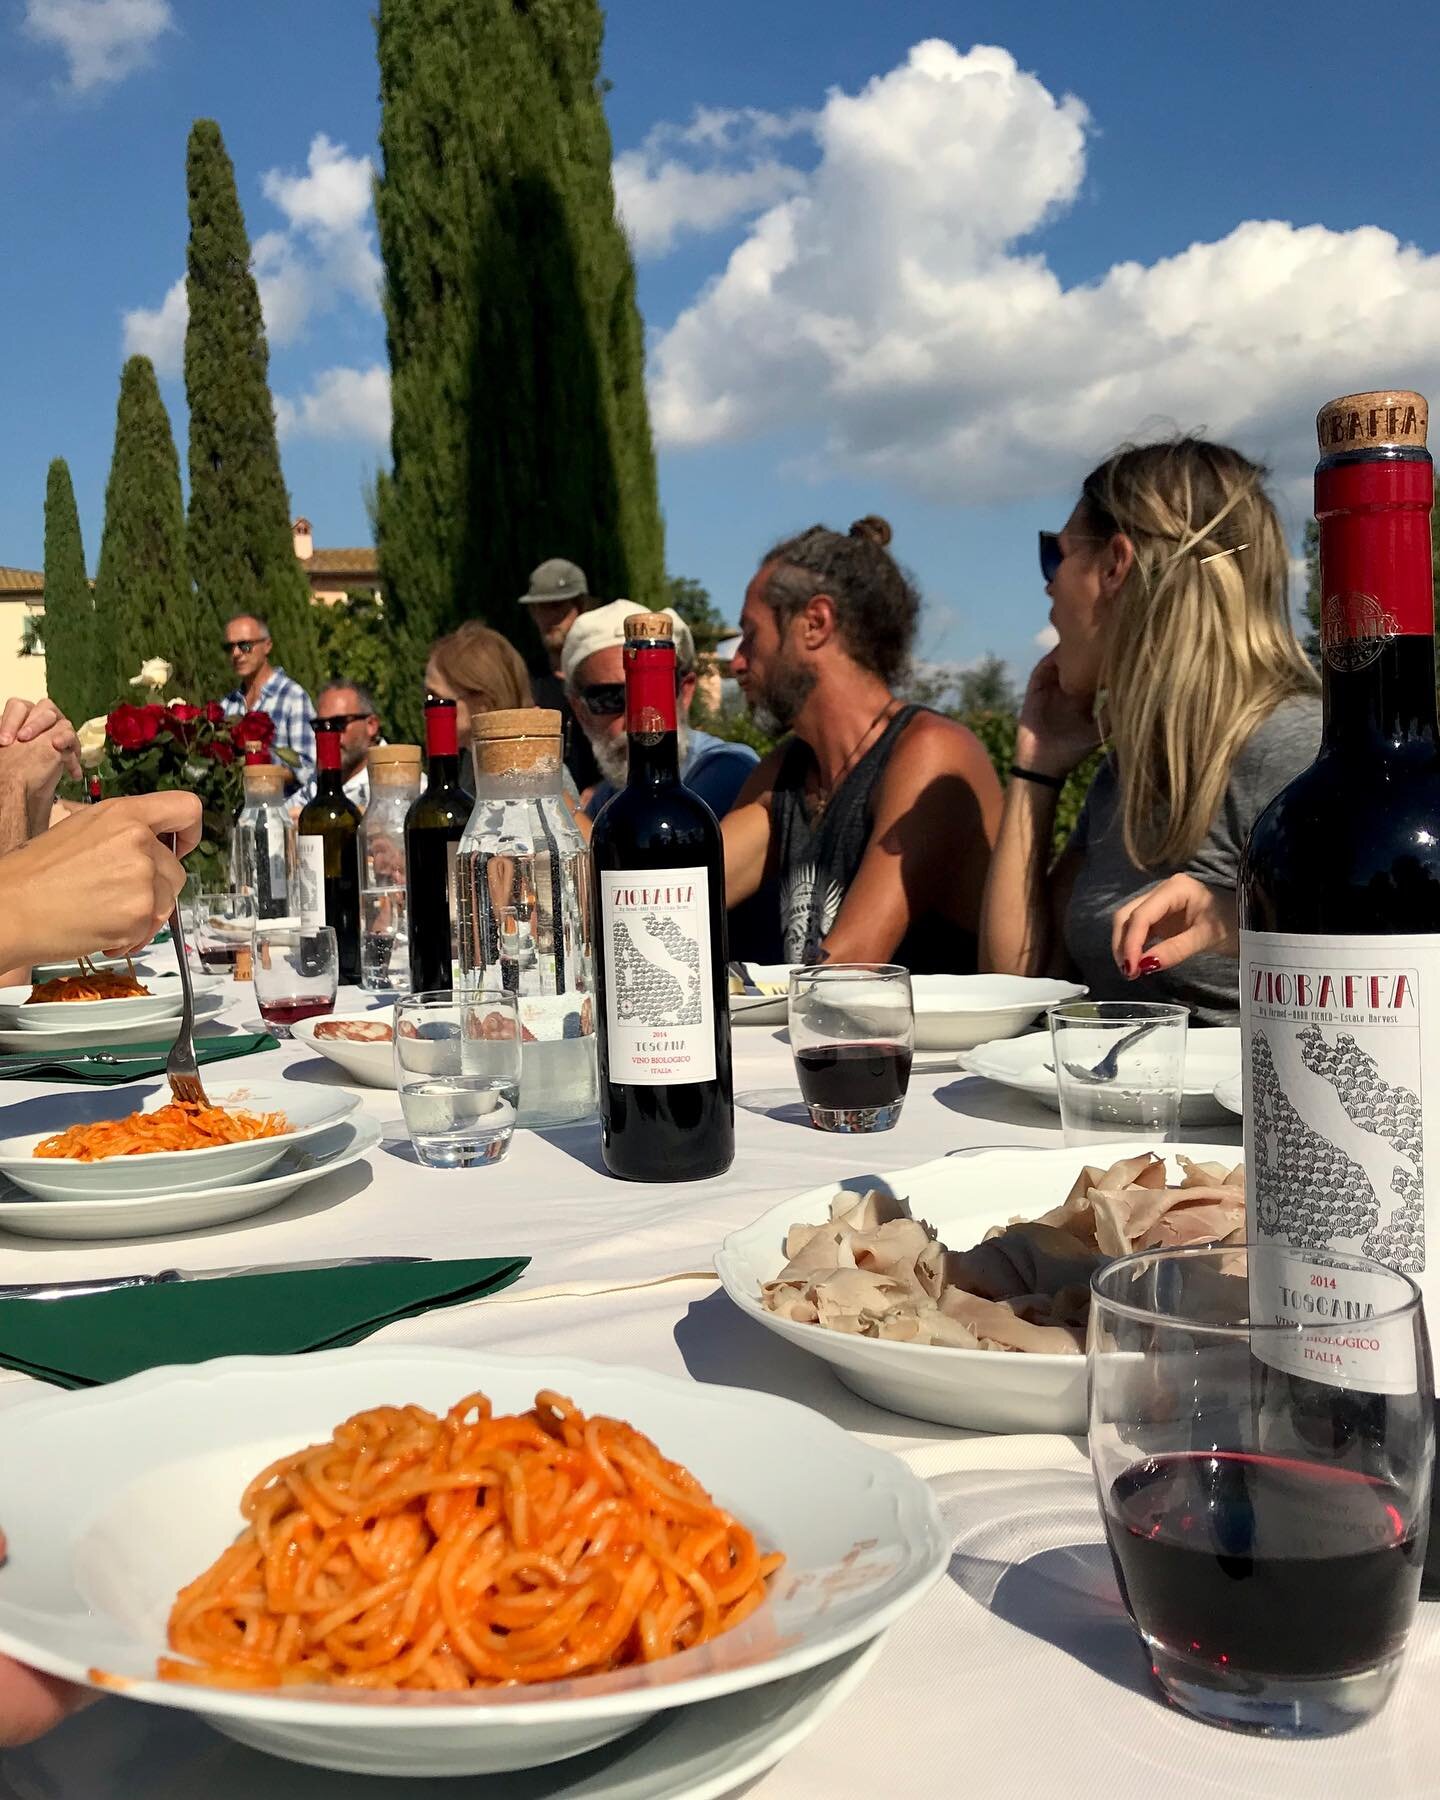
(1339, 1059)
(659, 1001)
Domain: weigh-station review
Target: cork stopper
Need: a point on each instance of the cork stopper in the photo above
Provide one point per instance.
(521, 740)
(649, 627)
(394, 765)
(265, 778)
(1389, 417)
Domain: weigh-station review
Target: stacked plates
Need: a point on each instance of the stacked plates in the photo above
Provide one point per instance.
(94, 1024)
(962, 1197)
(93, 1566)
(1212, 1061)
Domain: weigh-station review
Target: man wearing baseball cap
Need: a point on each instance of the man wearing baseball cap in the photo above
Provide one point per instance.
(558, 595)
(593, 665)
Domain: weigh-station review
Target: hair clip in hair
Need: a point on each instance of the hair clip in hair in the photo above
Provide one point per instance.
(1215, 555)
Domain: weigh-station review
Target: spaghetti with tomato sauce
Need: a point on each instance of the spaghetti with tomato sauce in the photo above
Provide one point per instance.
(469, 1551)
(178, 1126)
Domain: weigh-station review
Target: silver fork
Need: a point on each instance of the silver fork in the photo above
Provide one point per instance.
(1108, 1066)
(181, 1070)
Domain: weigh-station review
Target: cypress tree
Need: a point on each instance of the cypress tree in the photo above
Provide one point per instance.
(143, 603)
(69, 630)
(242, 554)
(520, 425)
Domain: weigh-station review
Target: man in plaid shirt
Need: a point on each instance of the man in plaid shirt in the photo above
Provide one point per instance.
(267, 690)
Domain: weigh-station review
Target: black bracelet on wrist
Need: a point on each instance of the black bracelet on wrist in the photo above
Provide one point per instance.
(1051, 781)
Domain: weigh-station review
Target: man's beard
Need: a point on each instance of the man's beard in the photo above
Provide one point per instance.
(777, 704)
(613, 753)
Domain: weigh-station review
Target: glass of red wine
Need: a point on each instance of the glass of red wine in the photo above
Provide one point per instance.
(1264, 1483)
(297, 970)
(852, 1031)
(218, 927)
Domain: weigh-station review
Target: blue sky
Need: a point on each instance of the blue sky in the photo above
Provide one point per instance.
(881, 269)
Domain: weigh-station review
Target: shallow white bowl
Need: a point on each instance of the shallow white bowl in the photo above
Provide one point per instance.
(1230, 1094)
(372, 1065)
(162, 1002)
(93, 1567)
(956, 1012)
(710, 1751)
(309, 1110)
(763, 1009)
(1210, 1056)
(100, 1034)
(962, 1197)
(86, 1217)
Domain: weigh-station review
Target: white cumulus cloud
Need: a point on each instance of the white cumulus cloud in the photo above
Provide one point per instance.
(159, 332)
(702, 176)
(898, 305)
(101, 40)
(350, 404)
(1046, 638)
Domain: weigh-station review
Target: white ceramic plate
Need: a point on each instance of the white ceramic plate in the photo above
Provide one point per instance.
(1230, 1094)
(309, 1110)
(64, 1015)
(764, 1008)
(372, 1065)
(956, 1012)
(93, 1567)
(50, 971)
(98, 1034)
(962, 1197)
(119, 1752)
(1210, 1056)
(189, 1209)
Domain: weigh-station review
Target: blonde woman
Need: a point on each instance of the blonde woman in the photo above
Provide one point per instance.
(1169, 596)
(480, 671)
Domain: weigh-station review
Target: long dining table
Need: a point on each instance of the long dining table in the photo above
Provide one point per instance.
(1018, 1677)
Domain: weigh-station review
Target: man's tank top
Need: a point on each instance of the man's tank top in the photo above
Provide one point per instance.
(819, 858)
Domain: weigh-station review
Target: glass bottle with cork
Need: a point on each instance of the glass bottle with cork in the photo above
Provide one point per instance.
(523, 894)
(263, 850)
(384, 932)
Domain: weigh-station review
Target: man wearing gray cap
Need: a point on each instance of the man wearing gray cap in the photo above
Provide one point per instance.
(557, 596)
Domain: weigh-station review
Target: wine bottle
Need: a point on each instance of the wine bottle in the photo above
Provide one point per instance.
(328, 843)
(1340, 915)
(433, 829)
(666, 1104)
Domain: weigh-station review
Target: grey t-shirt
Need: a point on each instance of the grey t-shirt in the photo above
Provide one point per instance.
(1274, 753)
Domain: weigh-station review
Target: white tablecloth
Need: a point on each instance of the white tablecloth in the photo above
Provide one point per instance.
(1018, 1677)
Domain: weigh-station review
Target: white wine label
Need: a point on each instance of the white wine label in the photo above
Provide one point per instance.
(311, 878)
(1339, 1072)
(659, 998)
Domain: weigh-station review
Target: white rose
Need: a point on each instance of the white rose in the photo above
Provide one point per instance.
(154, 673)
(92, 742)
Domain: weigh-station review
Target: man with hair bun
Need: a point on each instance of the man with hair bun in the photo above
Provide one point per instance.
(875, 817)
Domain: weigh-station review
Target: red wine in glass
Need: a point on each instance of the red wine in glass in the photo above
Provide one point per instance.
(848, 1077)
(218, 959)
(285, 1013)
(1264, 1565)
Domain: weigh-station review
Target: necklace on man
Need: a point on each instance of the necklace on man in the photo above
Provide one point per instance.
(825, 794)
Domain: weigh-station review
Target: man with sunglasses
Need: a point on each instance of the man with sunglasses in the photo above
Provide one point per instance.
(594, 668)
(354, 707)
(261, 688)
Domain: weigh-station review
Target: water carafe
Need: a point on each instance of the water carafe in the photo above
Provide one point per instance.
(522, 883)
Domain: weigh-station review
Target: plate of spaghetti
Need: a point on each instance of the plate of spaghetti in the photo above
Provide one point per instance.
(108, 1145)
(88, 994)
(423, 1561)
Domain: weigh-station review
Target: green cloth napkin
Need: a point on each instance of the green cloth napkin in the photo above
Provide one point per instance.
(135, 1062)
(86, 1340)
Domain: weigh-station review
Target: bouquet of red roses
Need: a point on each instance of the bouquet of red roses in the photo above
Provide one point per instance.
(137, 749)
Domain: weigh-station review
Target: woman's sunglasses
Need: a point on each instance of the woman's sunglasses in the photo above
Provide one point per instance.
(1053, 552)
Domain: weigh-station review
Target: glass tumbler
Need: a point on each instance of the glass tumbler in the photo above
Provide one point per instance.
(1120, 1068)
(852, 1032)
(297, 970)
(457, 1070)
(1261, 1434)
